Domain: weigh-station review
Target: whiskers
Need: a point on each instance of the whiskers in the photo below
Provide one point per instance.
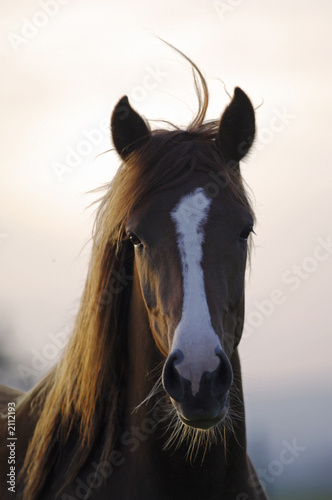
(197, 441)
(156, 389)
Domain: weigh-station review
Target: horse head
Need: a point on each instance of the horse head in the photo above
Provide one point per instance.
(190, 248)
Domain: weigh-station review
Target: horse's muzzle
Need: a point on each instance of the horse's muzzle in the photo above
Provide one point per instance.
(209, 405)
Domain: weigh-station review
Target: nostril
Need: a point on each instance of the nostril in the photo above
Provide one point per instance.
(223, 375)
(171, 378)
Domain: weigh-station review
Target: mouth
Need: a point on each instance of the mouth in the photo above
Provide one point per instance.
(204, 423)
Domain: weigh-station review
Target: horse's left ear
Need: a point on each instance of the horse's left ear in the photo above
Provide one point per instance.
(129, 130)
(237, 127)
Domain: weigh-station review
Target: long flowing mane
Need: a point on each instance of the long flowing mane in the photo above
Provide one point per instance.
(82, 394)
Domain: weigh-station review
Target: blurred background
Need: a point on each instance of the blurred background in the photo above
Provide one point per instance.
(65, 63)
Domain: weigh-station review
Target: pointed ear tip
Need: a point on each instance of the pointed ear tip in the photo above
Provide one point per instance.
(239, 93)
(243, 100)
(238, 90)
(124, 100)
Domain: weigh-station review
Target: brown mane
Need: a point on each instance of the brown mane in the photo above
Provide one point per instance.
(86, 384)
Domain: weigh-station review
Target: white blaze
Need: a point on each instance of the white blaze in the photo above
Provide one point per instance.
(194, 334)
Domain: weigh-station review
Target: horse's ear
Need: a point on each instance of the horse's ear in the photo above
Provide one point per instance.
(237, 127)
(129, 130)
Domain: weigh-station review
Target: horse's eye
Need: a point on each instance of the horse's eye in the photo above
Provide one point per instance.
(245, 233)
(135, 240)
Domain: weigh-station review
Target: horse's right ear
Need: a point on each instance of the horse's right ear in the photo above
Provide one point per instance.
(237, 127)
(129, 130)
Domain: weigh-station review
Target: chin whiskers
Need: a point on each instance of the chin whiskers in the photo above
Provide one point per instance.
(196, 441)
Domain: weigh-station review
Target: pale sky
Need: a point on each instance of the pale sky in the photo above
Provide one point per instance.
(64, 69)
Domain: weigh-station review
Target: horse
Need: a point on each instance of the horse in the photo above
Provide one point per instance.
(147, 401)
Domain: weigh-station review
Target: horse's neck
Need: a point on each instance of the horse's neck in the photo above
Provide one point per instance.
(144, 437)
